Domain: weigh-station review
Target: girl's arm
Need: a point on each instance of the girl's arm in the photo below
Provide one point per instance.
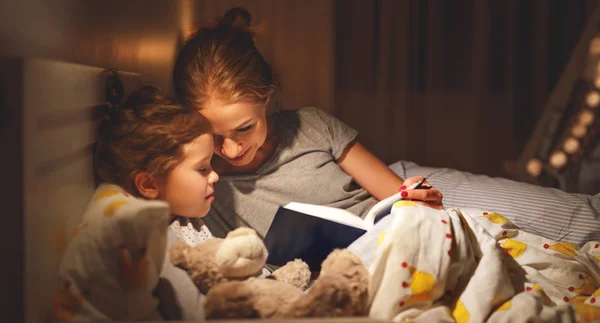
(378, 179)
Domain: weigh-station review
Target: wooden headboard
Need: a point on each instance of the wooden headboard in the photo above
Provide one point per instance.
(48, 125)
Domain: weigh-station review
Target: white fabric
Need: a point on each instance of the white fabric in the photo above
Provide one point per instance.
(113, 261)
(470, 265)
(184, 230)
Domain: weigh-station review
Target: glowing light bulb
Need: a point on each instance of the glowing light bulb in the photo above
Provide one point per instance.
(597, 80)
(579, 131)
(571, 145)
(558, 159)
(533, 167)
(586, 117)
(592, 99)
(595, 46)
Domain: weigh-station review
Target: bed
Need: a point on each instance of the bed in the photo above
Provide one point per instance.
(49, 121)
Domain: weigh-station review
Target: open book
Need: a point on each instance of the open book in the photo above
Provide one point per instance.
(311, 232)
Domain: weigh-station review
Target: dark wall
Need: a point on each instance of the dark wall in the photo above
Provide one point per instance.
(141, 36)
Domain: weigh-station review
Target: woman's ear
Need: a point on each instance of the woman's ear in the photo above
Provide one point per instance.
(273, 103)
(146, 185)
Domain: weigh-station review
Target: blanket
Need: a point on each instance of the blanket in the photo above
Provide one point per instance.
(471, 265)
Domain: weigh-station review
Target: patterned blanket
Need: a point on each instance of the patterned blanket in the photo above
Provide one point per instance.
(471, 265)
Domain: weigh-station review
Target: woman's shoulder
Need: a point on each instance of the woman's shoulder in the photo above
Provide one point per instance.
(311, 111)
(310, 114)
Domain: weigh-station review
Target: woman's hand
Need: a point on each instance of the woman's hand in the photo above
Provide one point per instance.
(426, 194)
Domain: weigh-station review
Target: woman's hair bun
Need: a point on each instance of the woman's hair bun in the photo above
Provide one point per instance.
(236, 17)
(146, 94)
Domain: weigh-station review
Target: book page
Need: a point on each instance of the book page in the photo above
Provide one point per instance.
(383, 207)
(380, 209)
(328, 213)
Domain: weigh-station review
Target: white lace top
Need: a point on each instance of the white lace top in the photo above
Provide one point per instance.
(193, 231)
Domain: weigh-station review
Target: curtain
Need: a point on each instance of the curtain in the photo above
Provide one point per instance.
(455, 84)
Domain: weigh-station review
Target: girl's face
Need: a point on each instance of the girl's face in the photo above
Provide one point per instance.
(240, 130)
(189, 187)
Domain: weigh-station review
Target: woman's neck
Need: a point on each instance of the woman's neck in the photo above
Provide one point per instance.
(263, 154)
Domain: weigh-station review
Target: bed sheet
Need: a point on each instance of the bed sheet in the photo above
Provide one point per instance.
(548, 212)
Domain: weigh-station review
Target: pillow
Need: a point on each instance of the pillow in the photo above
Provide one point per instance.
(113, 261)
(548, 212)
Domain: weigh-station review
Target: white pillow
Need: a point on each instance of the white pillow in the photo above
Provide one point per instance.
(112, 264)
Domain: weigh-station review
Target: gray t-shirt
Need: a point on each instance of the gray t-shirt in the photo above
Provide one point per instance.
(303, 169)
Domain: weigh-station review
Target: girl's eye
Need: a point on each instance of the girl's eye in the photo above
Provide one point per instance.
(245, 129)
(203, 170)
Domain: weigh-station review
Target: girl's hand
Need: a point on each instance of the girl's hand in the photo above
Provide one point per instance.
(426, 195)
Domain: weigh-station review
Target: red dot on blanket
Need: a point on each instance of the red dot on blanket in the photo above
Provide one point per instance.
(597, 245)
(504, 234)
(485, 213)
(404, 264)
(566, 299)
(444, 222)
(449, 252)
(571, 289)
(402, 303)
(580, 276)
(448, 235)
(528, 288)
(404, 284)
(546, 246)
(593, 300)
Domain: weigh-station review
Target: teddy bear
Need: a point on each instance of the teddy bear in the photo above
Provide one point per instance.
(228, 272)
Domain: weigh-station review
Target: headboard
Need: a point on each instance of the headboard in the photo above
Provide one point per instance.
(49, 122)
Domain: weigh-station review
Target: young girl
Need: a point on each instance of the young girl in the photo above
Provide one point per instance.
(270, 158)
(155, 149)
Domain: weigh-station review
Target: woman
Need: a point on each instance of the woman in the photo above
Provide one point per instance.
(268, 157)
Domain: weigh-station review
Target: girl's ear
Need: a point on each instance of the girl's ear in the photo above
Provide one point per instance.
(146, 185)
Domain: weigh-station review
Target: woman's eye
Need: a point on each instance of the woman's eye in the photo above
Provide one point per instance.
(245, 129)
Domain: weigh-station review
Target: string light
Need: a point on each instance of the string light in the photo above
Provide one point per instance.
(579, 131)
(586, 117)
(558, 159)
(597, 81)
(571, 145)
(595, 46)
(592, 99)
(534, 167)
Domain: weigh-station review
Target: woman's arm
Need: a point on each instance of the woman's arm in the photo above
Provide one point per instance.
(369, 172)
(379, 180)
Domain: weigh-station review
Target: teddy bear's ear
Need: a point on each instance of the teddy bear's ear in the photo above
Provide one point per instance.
(179, 254)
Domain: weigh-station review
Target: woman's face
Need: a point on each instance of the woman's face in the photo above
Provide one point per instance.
(240, 130)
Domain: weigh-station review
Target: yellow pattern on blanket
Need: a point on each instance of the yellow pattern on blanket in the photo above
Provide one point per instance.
(471, 265)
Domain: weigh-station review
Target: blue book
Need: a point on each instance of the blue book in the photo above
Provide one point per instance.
(311, 232)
